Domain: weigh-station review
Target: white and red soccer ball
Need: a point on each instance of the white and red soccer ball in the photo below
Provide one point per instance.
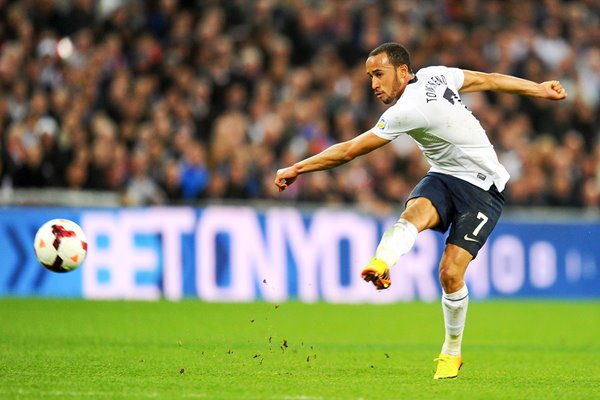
(60, 245)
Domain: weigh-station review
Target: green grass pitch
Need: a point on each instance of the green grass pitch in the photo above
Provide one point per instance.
(75, 349)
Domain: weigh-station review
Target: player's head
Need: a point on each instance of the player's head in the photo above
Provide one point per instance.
(390, 70)
(397, 54)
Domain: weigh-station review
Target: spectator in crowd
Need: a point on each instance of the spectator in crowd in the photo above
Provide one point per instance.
(212, 95)
(170, 182)
(141, 189)
(194, 171)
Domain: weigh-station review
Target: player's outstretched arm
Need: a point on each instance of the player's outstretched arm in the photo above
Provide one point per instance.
(331, 157)
(477, 81)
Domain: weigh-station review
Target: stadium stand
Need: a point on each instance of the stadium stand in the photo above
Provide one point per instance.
(171, 102)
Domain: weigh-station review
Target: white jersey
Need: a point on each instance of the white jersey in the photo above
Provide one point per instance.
(451, 138)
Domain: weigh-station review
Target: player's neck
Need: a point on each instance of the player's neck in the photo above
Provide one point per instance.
(411, 79)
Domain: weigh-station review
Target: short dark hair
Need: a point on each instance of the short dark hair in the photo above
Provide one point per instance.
(397, 54)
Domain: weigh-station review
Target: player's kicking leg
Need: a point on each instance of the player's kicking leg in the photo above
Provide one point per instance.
(419, 214)
(378, 273)
(396, 241)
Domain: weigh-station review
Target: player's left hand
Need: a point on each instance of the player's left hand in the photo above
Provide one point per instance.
(554, 90)
(285, 177)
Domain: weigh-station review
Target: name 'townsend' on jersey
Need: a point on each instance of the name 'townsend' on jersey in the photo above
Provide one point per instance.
(450, 137)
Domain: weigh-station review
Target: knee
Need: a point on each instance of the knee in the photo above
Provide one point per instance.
(451, 278)
(453, 266)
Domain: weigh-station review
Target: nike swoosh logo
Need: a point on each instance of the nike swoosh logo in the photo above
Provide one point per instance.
(470, 239)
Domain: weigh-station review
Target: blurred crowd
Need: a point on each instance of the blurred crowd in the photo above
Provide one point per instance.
(170, 101)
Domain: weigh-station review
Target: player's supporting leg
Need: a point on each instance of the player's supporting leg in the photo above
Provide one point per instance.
(455, 307)
(419, 214)
(455, 302)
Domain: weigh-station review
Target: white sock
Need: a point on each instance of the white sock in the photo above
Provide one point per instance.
(454, 306)
(396, 241)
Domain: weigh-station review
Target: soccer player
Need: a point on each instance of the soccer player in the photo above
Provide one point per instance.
(463, 190)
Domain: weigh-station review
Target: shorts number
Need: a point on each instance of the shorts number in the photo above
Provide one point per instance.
(483, 219)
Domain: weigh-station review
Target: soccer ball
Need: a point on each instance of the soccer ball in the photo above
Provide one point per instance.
(60, 245)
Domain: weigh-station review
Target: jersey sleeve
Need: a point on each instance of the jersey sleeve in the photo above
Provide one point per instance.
(456, 77)
(397, 120)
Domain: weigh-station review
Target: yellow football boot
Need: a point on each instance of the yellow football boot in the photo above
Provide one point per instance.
(377, 272)
(447, 366)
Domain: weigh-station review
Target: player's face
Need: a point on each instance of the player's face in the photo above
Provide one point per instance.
(385, 78)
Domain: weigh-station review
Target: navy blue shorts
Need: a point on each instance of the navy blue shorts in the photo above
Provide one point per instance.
(470, 212)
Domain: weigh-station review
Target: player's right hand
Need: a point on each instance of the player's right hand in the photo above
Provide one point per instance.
(285, 177)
